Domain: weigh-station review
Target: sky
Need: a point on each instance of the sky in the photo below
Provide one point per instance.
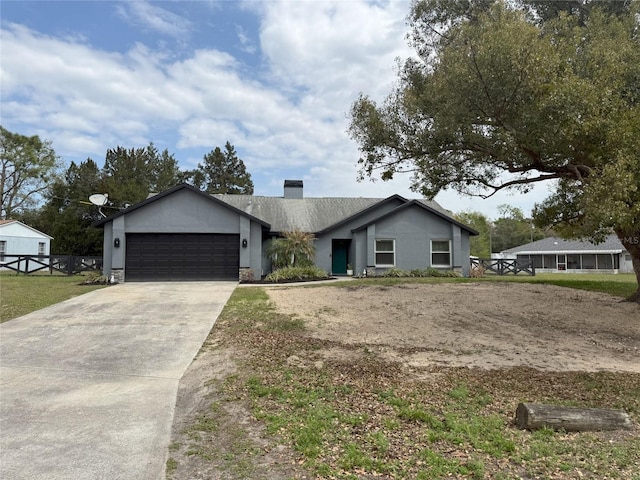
(274, 78)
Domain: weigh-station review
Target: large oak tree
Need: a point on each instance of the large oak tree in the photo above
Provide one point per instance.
(504, 95)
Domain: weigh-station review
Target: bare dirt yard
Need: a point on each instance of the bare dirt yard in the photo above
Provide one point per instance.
(513, 340)
(486, 325)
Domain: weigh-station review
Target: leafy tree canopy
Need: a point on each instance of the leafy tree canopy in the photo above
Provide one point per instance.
(27, 166)
(503, 95)
(512, 229)
(222, 172)
(67, 215)
(480, 244)
(130, 175)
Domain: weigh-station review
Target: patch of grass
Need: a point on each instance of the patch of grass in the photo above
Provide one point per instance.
(439, 466)
(22, 294)
(619, 285)
(172, 465)
(214, 439)
(249, 306)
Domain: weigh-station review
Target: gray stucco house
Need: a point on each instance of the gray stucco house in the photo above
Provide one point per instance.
(553, 254)
(186, 234)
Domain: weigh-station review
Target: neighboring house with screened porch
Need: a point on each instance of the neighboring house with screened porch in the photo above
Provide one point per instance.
(553, 254)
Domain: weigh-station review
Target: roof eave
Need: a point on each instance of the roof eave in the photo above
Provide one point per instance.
(424, 207)
(350, 218)
(567, 252)
(182, 186)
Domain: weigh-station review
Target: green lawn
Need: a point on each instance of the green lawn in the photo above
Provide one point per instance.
(621, 285)
(21, 294)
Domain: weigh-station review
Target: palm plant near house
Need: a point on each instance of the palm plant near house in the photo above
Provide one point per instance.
(294, 249)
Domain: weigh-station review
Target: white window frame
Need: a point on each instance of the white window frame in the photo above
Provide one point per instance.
(42, 248)
(376, 252)
(449, 252)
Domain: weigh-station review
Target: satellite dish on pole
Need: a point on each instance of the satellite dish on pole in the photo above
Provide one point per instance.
(99, 199)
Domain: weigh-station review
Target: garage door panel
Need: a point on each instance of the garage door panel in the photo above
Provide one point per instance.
(192, 256)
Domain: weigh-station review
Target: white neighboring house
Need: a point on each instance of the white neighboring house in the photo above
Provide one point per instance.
(16, 238)
(552, 254)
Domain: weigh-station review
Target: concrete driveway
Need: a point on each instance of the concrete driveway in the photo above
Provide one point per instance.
(88, 386)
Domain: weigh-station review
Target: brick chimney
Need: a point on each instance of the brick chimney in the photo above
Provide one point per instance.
(293, 189)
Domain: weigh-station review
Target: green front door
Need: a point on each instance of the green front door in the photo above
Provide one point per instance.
(339, 256)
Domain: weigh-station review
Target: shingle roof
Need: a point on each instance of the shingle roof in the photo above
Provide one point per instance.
(281, 214)
(307, 214)
(551, 245)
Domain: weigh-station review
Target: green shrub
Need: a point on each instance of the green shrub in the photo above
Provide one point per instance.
(396, 272)
(427, 272)
(288, 274)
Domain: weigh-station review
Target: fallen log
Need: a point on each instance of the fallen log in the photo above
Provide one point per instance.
(532, 416)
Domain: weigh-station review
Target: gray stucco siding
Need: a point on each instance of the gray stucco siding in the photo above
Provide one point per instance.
(118, 254)
(107, 242)
(359, 244)
(323, 242)
(413, 229)
(255, 249)
(183, 212)
(345, 231)
(323, 252)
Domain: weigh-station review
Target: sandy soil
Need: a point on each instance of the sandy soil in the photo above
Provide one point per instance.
(486, 325)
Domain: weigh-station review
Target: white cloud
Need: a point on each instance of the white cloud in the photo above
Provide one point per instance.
(143, 14)
(291, 123)
(335, 48)
(246, 44)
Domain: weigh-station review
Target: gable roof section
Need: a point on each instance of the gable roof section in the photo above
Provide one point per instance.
(11, 222)
(555, 245)
(166, 193)
(423, 205)
(350, 218)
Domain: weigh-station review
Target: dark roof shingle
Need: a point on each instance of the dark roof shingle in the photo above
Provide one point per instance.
(307, 214)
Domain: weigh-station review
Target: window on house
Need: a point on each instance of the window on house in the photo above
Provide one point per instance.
(550, 261)
(588, 261)
(604, 261)
(573, 262)
(3, 249)
(440, 253)
(385, 253)
(42, 248)
(536, 260)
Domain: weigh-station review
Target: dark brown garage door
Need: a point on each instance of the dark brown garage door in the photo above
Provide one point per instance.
(181, 256)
